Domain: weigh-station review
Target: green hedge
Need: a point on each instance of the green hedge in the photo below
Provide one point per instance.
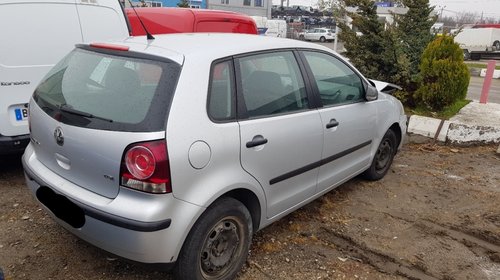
(444, 77)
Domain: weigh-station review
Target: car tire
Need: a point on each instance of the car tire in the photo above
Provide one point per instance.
(218, 244)
(466, 55)
(383, 157)
(497, 45)
(301, 37)
(322, 39)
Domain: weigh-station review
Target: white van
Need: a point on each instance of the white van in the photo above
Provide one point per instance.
(271, 27)
(36, 34)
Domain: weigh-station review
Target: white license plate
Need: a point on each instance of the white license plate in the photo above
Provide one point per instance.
(21, 114)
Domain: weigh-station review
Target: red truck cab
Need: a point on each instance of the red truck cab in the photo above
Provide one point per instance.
(183, 20)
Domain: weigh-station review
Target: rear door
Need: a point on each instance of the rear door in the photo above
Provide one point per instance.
(281, 137)
(35, 36)
(348, 120)
(102, 20)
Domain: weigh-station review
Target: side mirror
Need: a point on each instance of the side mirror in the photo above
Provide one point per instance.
(371, 93)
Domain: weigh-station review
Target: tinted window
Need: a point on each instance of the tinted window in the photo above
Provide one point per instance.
(221, 99)
(337, 83)
(272, 84)
(103, 91)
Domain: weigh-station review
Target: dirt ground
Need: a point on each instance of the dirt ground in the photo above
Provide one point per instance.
(436, 215)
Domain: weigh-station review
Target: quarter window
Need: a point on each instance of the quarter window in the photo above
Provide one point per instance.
(221, 100)
(337, 83)
(272, 84)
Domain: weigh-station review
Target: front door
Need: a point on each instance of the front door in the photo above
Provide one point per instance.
(348, 120)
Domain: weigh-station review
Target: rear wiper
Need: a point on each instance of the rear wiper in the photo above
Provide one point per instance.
(66, 108)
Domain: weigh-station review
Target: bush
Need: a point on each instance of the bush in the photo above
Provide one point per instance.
(444, 77)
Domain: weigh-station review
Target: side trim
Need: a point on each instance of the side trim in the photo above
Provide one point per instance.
(317, 164)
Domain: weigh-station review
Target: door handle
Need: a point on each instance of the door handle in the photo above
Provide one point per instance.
(332, 123)
(257, 141)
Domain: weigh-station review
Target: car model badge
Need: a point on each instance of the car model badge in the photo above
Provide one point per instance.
(59, 136)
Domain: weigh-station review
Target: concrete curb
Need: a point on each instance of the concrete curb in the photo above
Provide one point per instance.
(428, 127)
(454, 132)
(481, 72)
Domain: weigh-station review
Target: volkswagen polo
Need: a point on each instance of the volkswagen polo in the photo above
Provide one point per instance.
(177, 150)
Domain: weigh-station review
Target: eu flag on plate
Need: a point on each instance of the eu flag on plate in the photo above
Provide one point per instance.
(19, 115)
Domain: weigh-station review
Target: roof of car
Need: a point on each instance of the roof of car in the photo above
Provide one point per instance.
(210, 45)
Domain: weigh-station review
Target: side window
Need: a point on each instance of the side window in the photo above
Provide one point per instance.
(272, 84)
(337, 83)
(220, 97)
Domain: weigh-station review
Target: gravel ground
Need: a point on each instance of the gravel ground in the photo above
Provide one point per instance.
(436, 215)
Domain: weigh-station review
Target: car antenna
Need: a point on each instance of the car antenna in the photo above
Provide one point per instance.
(149, 36)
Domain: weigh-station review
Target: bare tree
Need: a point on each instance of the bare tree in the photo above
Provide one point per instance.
(467, 18)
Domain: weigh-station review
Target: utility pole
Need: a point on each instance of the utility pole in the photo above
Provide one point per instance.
(441, 13)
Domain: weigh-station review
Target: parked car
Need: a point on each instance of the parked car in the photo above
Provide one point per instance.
(162, 151)
(318, 34)
(36, 35)
(183, 20)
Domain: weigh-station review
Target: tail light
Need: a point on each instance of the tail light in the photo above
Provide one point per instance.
(145, 167)
(329, 34)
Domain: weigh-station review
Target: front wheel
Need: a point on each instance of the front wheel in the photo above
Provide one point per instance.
(217, 245)
(497, 45)
(383, 157)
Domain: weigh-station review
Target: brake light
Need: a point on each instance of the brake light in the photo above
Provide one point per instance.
(109, 46)
(145, 167)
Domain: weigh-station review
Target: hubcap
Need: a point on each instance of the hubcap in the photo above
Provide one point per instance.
(221, 246)
(384, 153)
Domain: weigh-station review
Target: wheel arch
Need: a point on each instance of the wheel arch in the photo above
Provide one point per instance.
(399, 134)
(251, 202)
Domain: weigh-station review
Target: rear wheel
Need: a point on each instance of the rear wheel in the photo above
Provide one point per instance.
(217, 245)
(322, 39)
(383, 157)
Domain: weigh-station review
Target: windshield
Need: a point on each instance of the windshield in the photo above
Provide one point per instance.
(106, 91)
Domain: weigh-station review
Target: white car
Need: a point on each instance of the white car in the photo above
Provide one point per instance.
(318, 34)
(161, 151)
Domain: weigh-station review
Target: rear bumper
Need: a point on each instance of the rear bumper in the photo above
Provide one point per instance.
(127, 225)
(13, 144)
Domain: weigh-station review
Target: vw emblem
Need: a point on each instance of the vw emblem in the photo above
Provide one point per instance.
(59, 136)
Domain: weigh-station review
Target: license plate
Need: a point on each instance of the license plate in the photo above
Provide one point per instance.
(21, 114)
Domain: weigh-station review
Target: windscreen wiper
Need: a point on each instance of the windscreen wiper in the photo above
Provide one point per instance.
(68, 109)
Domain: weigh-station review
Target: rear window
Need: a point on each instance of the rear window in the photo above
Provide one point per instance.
(110, 92)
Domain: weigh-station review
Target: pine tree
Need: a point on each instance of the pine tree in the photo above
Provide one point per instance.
(375, 52)
(444, 77)
(413, 30)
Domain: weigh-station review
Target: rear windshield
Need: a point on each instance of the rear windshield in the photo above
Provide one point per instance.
(109, 92)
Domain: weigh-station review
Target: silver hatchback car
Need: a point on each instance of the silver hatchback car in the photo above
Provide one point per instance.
(176, 150)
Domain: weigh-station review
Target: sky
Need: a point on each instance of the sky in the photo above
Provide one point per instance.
(489, 8)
